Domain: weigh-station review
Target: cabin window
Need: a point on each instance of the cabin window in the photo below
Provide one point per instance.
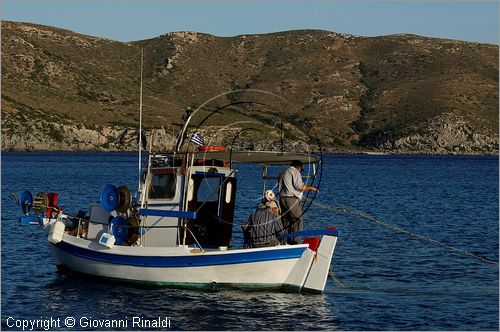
(163, 186)
(208, 190)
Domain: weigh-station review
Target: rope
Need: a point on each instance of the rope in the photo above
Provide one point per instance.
(337, 281)
(354, 212)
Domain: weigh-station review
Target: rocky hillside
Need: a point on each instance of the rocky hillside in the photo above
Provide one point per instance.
(401, 93)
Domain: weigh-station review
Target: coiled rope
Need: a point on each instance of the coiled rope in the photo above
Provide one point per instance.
(361, 214)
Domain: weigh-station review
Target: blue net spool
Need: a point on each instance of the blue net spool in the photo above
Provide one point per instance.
(119, 229)
(109, 198)
(26, 201)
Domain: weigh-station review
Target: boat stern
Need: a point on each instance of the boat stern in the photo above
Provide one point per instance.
(320, 267)
(311, 272)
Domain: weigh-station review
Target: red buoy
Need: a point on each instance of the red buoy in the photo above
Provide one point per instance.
(52, 197)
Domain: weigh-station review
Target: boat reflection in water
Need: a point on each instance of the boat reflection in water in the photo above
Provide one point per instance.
(221, 309)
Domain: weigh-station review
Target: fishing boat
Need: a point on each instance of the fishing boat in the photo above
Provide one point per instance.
(177, 230)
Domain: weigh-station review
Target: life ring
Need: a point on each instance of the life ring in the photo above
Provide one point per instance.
(211, 148)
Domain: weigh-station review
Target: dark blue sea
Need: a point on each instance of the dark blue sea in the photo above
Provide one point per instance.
(385, 280)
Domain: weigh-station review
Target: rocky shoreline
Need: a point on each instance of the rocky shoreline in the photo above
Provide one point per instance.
(403, 94)
(444, 135)
(114, 142)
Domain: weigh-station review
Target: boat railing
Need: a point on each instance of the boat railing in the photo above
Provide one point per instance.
(81, 233)
(194, 237)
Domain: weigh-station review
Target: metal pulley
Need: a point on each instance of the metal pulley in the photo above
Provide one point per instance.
(125, 198)
(133, 231)
(40, 203)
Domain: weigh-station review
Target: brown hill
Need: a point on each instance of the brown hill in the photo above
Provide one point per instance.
(401, 93)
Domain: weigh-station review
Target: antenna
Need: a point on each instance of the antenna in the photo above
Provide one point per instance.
(188, 113)
(140, 120)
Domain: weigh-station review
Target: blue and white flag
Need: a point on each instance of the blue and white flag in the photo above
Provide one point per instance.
(197, 139)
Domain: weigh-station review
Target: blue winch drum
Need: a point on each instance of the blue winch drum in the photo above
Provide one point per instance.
(109, 198)
(26, 201)
(119, 229)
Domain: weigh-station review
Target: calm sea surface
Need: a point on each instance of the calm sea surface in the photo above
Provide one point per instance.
(388, 281)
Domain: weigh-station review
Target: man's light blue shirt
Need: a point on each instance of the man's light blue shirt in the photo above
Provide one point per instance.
(289, 182)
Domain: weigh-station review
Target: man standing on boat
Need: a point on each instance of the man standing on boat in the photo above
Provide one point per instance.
(291, 188)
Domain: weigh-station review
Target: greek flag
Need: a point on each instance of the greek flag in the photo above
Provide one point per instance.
(197, 139)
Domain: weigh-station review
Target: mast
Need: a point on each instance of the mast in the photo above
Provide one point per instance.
(188, 113)
(140, 121)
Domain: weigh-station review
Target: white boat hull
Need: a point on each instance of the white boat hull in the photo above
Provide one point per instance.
(278, 267)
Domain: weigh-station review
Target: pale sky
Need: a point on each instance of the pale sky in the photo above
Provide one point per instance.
(127, 20)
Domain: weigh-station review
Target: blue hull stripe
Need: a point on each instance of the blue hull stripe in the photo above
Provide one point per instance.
(181, 261)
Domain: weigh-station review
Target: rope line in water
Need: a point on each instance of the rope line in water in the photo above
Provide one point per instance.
(337, 281)
(354, 212)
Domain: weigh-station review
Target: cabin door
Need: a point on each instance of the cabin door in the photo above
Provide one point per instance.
(213, 198)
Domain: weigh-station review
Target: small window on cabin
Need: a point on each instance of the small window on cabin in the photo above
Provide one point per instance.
(208, 189)
(162, 186)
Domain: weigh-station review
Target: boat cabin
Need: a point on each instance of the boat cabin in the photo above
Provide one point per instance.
(185, 199)
(202, 195)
